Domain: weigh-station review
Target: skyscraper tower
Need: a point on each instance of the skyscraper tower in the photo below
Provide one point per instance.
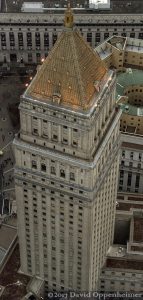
(67, 165)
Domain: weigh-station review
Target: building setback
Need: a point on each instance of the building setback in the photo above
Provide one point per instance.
(123, 270)
(66, 169)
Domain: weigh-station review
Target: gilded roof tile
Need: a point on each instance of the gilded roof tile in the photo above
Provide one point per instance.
(69, 73)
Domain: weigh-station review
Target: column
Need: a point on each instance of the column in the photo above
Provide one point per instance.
(125, 181)
(140, 184)
(16, 40)
(133, 182)
(93, 38)
(50, 40)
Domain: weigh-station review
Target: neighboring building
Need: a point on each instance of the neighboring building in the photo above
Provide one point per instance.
(17, 286)
(66, 169)
(121, 52)
(123, 270)
(130, 86)
(131, 164)
(13, 284)
(28, 36)
(8, 235)
(127, 201)
(124, 54)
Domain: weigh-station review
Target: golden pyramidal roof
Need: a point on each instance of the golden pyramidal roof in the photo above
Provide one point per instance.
(69, 73)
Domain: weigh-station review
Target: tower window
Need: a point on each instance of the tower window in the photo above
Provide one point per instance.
(72, 176)
(35, 131)
(43, 167)
(131, 155)
(53, 170)
(34, 164)
(75, 144)
(62, 173)
(55, 137)
(65, 141)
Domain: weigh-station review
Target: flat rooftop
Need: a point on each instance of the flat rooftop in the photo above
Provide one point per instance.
(126, 202)
(130, 196)
(132, 145)
(128, 206)
(116, 6)
(138, 230)
(7, 235)
(126, 252)
(125, 263)
(10, 276)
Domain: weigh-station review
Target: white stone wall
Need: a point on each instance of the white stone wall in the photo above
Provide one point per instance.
(131, 164)
(67, 197)
(94, 28)
(121, 280)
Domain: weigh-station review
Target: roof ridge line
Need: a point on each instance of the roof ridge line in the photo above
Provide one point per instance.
(91, 49)
(77, 68)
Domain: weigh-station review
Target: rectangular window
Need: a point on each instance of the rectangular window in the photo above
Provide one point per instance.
(34, 164)
(43, 167)
(53, 170)
(137, 180)
(55, 137)
(62, 173)
(35, 131)
(129, 179)
(72, 176)
(131, 155)
(65, 141)
(75, 144)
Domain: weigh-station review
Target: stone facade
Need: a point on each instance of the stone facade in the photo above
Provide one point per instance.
(131, 164)
(123, 270)
(66, 177)
(120, 52)
(29, 37)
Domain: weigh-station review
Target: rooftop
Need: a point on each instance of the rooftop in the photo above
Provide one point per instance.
(118, 42)
(125, 263)
(134, 45)
(130, 78)
(126, 202)
(132, 145)
(128, 206)
(138, 230)
(116, 6)
(129, 255)
(7, 235)
(70, 73)
(10, 276)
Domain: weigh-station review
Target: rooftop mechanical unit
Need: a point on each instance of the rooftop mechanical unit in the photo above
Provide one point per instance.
(34, 7)
(99, 4)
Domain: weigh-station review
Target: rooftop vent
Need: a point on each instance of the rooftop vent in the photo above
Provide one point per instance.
(99, 4)
(57, 98)
(35, 7)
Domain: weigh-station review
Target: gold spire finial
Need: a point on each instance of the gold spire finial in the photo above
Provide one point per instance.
(68, 22)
